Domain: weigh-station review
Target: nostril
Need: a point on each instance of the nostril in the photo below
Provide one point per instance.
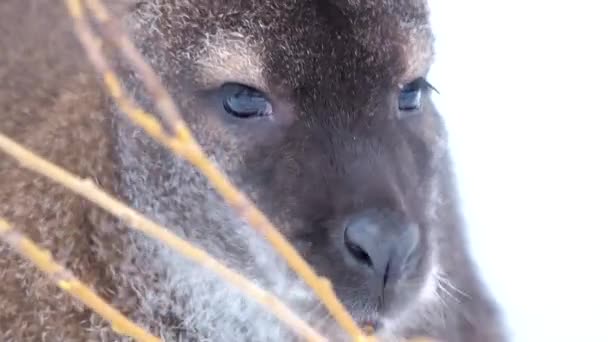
(357, 252)
(386, 271)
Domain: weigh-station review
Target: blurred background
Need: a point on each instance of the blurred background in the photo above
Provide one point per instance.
(523, 88)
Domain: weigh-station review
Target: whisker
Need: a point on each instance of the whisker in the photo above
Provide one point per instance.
(441, 287)
(447, 282)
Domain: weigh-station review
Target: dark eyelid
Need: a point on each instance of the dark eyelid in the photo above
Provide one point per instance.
(420, 83)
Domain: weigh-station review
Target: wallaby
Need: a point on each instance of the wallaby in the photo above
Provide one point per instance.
(319, 111)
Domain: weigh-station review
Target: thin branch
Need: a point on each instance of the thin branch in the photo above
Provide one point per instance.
(67, 282)
(183, 144)
(163, 101)
(87, 189)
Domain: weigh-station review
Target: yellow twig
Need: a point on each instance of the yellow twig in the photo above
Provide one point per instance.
(66, 281)
(163, 101)
(87, 189)
(183, 144)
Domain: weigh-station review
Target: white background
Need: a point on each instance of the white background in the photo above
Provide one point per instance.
(523, 88)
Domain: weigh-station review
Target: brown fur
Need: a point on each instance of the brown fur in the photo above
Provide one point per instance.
(50, 103)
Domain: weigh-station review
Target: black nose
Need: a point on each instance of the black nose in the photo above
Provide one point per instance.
(380, 241)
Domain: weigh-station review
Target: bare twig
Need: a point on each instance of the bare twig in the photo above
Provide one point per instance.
(66, 281)
(163, 101)
(183, 144)
(87, 189)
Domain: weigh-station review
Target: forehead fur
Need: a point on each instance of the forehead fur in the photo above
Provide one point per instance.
(313, 42)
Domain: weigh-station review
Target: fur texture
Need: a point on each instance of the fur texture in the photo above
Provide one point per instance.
(336, 145)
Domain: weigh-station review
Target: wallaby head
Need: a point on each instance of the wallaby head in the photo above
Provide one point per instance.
(320, 111)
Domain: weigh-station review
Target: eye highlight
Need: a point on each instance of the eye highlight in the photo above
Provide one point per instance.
(410, 96)
(245, 102)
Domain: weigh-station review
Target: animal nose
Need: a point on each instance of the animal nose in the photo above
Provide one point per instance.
(380, 241)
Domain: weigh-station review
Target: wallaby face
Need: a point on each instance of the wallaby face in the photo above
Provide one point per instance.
(321, 113)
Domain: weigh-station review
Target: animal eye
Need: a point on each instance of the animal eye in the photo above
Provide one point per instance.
(410, 97)
(245, 102)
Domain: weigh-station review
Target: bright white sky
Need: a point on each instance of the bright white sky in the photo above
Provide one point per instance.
(523, 88)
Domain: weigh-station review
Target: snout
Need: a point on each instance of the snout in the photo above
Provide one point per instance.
(381, 248)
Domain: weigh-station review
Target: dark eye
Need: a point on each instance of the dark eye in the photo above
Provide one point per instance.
(245, 102)
(410, 97)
